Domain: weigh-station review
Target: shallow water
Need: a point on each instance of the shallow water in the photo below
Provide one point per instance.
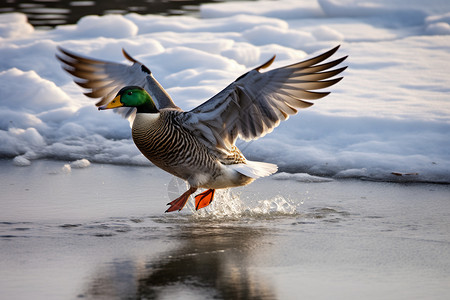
(100, 233)
(45, 13)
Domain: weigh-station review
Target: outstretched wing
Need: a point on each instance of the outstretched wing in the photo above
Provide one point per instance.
(103, 79)
(255, 103)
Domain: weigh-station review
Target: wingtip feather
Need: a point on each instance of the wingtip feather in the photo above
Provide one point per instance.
(266, 64)
(128, 56)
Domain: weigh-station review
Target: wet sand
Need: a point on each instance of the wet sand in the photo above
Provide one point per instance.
(101, 233)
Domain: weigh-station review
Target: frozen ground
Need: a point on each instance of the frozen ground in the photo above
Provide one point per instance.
(389, 114)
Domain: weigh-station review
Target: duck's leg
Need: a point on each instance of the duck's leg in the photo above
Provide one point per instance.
(179, 203)
(204, 199)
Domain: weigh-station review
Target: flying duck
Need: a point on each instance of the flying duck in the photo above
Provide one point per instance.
(199, 145)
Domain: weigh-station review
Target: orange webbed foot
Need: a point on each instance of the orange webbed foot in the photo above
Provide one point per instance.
(179, 203)
(204, 199)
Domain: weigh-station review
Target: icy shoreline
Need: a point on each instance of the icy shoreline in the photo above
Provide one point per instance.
(390, 114)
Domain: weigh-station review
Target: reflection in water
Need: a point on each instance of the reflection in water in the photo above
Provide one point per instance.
(50, 13)
(211, 262)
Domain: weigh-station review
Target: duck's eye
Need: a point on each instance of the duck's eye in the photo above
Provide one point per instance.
(130, 93)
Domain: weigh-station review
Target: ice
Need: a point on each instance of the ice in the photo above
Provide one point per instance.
(444, 18)
(110, 26)
(438, 28)
(266, 35)
(14, 25)
(80, 164)
(389, 115)
(326, 33)
(301, 177)
(21, 161)
(287, 9)
(386, 14)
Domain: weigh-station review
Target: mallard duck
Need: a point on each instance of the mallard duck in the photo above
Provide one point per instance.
(199, 145)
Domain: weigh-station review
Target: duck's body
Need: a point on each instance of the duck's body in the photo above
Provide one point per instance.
(199, 145)
(183, 155)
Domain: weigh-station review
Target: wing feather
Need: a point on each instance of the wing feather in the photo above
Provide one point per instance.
(256, 102)
(103, 79)
(311, 85)
(248, 108)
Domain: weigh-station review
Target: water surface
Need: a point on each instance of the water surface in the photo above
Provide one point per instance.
(47, 14)
(100, 233)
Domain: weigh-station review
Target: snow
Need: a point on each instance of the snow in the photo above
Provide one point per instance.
(301, 177)
(389, 115)
(80, 164)
(14, 25)
(21, 161)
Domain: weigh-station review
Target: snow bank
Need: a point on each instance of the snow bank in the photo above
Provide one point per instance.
(14, 25)
(301, 177)
(438, 24)
(388, 118)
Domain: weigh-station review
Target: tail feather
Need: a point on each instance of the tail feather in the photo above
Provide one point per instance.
(255, 169)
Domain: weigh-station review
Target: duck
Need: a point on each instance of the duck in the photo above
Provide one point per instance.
(199, 145)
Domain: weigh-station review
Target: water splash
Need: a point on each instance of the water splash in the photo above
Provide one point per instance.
(275, 206)
(229, 205)
(225, 204)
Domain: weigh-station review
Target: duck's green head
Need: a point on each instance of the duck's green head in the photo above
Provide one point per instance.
(132, 96)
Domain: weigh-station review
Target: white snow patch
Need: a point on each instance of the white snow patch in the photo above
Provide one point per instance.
(21, 161)
(14, 25)
(389, 114)
(109, 26)
(439, 28)
(80, 164)
(301, 177)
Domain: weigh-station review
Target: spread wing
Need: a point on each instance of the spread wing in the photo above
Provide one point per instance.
(256, 102)
(103, 79)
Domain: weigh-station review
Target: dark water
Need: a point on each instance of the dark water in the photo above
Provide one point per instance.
(50, 13)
